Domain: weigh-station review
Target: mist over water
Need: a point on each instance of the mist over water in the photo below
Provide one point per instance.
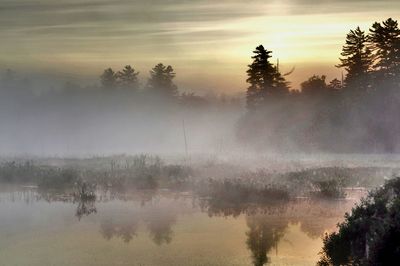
(69, 120)
(157, 229)
(75, 121)
(132, 169)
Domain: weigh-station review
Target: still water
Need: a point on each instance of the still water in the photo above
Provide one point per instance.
(163, 228)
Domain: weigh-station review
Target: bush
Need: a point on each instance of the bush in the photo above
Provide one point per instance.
(370, 235)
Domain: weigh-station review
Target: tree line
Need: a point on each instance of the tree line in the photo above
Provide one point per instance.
(370, 60)
(124, 83)
(357, 113)
(160, 80)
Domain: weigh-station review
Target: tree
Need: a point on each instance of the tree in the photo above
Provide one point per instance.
(370, 235)
(128, 78)
(385, 44)
(314, 85)
(160, 81)
(335, 84)
(356, 59)
(108, 79)
(192, 100)
(264, 78)
(281, 86)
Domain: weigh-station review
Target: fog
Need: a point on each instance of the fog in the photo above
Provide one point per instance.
(43, 118)
(184, 174)
(69, 120)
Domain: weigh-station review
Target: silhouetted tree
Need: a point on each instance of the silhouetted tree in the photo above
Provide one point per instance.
(160, 81)
(108, 79)
(356, 59)
(370, 235)
(192, 100)
(264, 78)
(385, 44)
(314, 85)
(335, 84)
(128, 78)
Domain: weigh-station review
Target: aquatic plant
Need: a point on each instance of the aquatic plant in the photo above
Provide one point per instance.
(232, 197)
(331, 189)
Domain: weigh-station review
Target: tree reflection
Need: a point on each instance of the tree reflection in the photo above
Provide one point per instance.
(85, 201)
(267, 223)
(85, 207)
(218, 207)
(263, 235)
(159, 224)
(126, 231)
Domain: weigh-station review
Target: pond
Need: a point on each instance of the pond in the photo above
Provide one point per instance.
(159, 228)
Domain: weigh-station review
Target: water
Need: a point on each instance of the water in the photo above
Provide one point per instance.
(163, 228)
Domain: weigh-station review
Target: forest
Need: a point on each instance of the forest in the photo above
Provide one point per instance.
(355, 114)
(281, 164)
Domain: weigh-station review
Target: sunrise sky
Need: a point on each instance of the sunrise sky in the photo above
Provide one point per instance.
(209, 43)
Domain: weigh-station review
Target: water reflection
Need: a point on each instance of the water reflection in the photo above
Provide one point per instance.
(267, 224)
(126, 231)
(85, 207)
(158, 223)
(264, 234)
(122, 216)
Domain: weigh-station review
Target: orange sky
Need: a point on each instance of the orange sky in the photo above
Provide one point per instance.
(209, 43)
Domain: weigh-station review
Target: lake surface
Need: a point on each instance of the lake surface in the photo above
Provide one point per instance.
(163, 228)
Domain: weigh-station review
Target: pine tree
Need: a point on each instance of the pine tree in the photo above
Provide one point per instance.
(385, 45)
(264, 78)
(281, 86)
(315, 85)
(128, 78)
(108, 79)
(356, 60)
(335, 84)
(160, 81)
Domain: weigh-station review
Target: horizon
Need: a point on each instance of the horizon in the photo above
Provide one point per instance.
(208, 45)
(199, 132)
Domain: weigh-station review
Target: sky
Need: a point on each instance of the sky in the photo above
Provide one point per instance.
(209, 43)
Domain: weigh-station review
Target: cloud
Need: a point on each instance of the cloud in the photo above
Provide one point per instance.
(104, 32)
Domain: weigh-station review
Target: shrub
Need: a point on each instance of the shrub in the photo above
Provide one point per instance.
(370, 235)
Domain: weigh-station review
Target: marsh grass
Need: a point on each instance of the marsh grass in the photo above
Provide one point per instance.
(140, 172)
(233, 197)
(331, 189)
(219, 180)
